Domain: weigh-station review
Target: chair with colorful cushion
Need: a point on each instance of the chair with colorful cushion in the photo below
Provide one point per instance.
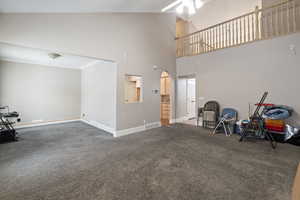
(228, 118)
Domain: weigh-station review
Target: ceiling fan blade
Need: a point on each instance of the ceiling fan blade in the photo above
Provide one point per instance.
(172, 5)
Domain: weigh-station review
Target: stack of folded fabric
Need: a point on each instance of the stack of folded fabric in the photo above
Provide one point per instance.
(275, 125)
(274, 117)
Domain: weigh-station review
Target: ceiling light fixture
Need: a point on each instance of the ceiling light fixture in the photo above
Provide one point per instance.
(183, 6)
(179, 9)
(198, 4)
(192, 10)
(172, 5)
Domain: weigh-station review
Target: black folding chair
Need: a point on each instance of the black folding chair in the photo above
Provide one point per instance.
(210, 107)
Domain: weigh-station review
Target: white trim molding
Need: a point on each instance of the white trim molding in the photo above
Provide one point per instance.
(44, 123)
(149, 126)
(173, 121)
(100, 126)
(114, 132)
(181, 119)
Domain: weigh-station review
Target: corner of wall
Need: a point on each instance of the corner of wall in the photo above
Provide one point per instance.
(138, 129)
(100, 126)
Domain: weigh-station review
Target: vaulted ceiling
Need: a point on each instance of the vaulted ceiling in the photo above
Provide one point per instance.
(75, 6)
(19, 54)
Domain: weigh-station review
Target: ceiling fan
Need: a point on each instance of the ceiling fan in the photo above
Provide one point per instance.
(184, 6)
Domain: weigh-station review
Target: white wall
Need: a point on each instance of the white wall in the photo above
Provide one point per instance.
(99, 95)
(217, 11)
(236, 76)
(135, 42)
(40, 92)
(267, 3)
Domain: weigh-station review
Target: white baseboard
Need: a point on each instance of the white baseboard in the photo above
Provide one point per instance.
(181, 119)
(100, 126)
(172, 121)
(44, 123)
(137, 129)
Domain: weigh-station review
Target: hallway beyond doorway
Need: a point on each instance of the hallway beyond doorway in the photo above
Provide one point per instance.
(186, 100)
(165, 99)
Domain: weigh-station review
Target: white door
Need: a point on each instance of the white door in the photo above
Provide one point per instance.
(191, 98)
(181, 102)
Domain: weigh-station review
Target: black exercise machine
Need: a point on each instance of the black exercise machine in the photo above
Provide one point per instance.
(7, 131)
(255, 127)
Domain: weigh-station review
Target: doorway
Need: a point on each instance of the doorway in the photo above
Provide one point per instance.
(165, 99)
(186, 100)
(191, 99)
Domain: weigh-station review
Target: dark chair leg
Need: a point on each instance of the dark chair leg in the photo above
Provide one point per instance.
(243, 133)
(271, 139)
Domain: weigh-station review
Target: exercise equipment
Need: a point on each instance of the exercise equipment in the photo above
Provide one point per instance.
(254, 128)
(7, 131)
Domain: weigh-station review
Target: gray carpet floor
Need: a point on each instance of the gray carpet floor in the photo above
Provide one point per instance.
(77, 162)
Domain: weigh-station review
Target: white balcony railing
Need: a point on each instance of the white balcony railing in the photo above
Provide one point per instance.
(277, 20)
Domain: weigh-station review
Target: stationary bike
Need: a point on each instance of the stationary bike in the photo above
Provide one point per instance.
(255, 127)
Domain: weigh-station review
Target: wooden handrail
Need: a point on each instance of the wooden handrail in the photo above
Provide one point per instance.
(232, 19)
(265, 23)
(213, 26)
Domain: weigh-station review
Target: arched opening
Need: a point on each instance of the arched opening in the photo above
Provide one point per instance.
(165, 99)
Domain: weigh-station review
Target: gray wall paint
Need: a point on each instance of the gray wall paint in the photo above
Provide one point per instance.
(99, 93)
(236, 76)
(40, 92)
(135, 42)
